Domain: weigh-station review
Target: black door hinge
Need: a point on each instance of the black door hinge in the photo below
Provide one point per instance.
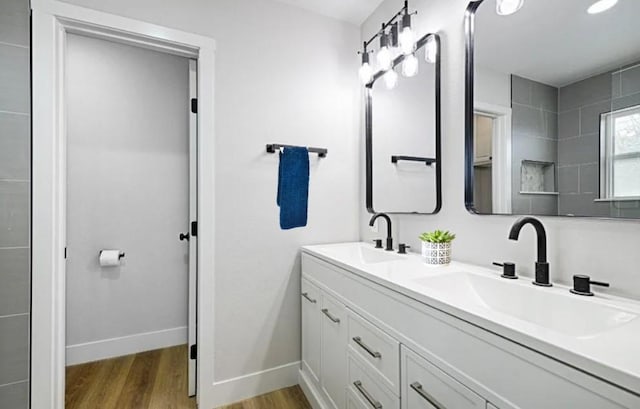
(194, 229)
(193, 352)
(65, 253)
(194, 105)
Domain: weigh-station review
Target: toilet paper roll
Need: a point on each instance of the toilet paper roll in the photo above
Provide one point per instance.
(110, 258)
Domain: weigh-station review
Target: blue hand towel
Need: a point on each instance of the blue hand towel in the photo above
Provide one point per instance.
(293, 187)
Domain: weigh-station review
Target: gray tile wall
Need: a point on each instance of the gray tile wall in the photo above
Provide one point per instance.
(15, 137)
(580, 106)
(534, 136)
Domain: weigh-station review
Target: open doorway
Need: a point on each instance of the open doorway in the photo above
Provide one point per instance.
(52, 23)
(492, 158)
(132, 192)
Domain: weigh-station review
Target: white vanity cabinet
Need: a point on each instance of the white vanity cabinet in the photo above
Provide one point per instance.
(380, 348)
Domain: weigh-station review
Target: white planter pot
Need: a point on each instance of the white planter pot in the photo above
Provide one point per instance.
(436, 254)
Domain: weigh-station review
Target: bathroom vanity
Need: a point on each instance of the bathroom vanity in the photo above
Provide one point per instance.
(382, 330)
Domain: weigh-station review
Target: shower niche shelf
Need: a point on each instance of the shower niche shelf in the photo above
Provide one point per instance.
(538, 178)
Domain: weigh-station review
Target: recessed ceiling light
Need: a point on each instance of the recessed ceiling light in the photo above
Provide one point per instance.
(601, 5)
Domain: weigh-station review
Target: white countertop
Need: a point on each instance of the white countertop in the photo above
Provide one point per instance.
(612, 354)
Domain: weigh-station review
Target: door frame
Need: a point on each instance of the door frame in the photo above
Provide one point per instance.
(192, 319)
(501, 153)
(51, 21)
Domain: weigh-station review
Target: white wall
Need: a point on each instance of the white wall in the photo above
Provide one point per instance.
(128, 161)
(607, 250)
(282, 75)
(492, 87)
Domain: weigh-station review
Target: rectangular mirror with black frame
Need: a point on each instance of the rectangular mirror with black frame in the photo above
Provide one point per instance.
(553, 108)
(403, 133)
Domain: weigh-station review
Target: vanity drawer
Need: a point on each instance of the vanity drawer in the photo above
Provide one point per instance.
(367, 387)
(424, 386)
(377, 348)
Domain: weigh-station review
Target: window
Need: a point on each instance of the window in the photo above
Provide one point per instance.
(620, 154)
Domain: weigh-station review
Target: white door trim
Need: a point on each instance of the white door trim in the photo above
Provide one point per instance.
(501, 152)
(51, 21)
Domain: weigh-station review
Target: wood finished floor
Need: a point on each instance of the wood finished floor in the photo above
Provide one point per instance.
(153, 380)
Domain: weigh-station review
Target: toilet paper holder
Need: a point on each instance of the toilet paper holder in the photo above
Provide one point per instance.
(120, 255)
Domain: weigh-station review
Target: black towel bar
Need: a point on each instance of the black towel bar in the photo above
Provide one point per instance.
(427, 161)
(274, 147)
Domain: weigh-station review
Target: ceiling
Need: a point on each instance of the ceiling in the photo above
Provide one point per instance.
(351, 11)
(557, 42)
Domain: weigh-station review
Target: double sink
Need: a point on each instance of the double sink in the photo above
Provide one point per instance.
(481, 290)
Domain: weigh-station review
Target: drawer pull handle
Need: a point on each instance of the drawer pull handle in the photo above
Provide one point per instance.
(424, 395)
(311, 300)
(331, 317)
(362, 345)
(366, 395)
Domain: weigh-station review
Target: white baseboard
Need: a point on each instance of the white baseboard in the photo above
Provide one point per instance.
(254, 384)
(310, 391)
(131, 344)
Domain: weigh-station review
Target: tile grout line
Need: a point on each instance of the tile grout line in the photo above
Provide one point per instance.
(14, 45)
(15, 315)
(15, 113)
(14, 383)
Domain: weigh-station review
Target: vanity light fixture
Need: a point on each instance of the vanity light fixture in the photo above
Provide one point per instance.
(390, 79)
(431, 50)
(385, 60)
(507, 7)
(396, 34)
(410, 65)
(601, 6)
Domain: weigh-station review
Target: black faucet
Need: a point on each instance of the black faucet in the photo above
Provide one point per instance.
(542, 266)
(388, 219)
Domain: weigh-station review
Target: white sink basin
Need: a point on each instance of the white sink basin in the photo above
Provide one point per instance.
(565, 313)
(374, 256)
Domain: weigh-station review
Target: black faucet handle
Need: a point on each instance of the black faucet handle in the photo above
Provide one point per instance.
(508, 270)
(582, 285)
(402, 248)
(378, 243)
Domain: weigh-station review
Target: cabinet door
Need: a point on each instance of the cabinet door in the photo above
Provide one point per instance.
(333, 351)
(310, 299)
(424, 386)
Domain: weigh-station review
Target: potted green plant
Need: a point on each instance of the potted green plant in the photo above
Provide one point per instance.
(436, 247)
